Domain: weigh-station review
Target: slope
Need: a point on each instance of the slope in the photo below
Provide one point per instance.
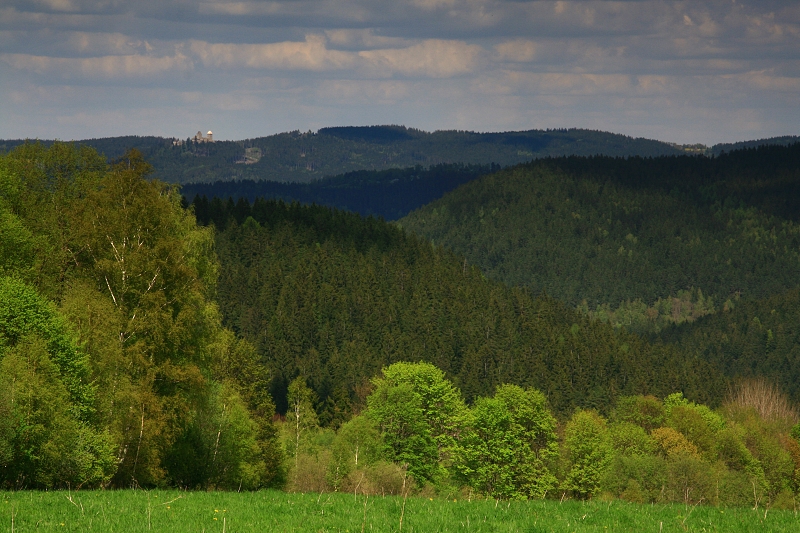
(602, 231)
(334, 297)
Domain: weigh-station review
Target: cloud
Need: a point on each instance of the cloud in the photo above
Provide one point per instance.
(360, 39)
(311, 54)
(240, 8)
(257, 66)
(433, 58)
(107, 67)
(519, 50)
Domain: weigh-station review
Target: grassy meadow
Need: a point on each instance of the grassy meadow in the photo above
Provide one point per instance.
(171, 510)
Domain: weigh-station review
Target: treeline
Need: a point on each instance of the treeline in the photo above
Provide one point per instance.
(629, 236)
(115, 369)
(417, 434)
(334, 297)
(390, 194)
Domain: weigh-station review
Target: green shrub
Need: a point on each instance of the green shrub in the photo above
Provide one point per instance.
(588, 453)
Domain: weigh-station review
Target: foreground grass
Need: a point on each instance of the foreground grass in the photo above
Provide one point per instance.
(167, 511)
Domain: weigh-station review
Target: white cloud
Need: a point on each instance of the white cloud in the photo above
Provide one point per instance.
(311, 54)
(433, 58)
(107, 67)
(519, 50)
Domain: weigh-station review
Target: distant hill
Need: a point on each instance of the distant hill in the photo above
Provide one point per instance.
(390, 194)
(304, 157)
(602, 231)
(786, 140)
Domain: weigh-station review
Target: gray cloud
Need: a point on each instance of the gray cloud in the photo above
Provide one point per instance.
(688, 71)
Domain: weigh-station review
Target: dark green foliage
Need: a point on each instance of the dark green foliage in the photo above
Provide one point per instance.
(755, 338)
(335, 297)
(722, 148)
(607, 231)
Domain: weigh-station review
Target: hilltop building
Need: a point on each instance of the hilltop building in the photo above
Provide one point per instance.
(198, 138)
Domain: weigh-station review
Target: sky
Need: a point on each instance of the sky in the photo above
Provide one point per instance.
(687, 72)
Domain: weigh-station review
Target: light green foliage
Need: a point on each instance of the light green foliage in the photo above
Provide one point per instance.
(237, 365)
(714, 421)
(631, 440)
(17, 247)
(690, 480)
(301, 419)
(45, 444)
(443, 409)
(397, 410)
(358, 445)
(23, 313)
(587, 452)
(420, 414)
(636, 315)
(690, 423)
(134, 277)
(670, 442)
(636, 478)
(510, 445)
(767, 448)
(645, 411)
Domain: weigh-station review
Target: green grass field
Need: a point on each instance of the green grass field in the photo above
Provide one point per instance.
(169, 510)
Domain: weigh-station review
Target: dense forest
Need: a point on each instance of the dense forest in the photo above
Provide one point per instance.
(641, 242)
(335, 297)
(309, 156)
(238, 345)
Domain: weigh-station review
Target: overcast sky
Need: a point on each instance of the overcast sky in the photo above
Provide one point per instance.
(696, 71)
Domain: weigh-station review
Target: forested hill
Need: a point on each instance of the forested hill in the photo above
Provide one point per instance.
(390, 194)
(785, 140)
(334, 297)
(755, 338)
(140, 346)
(304, 157)
(605, 231)
(764, 178)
